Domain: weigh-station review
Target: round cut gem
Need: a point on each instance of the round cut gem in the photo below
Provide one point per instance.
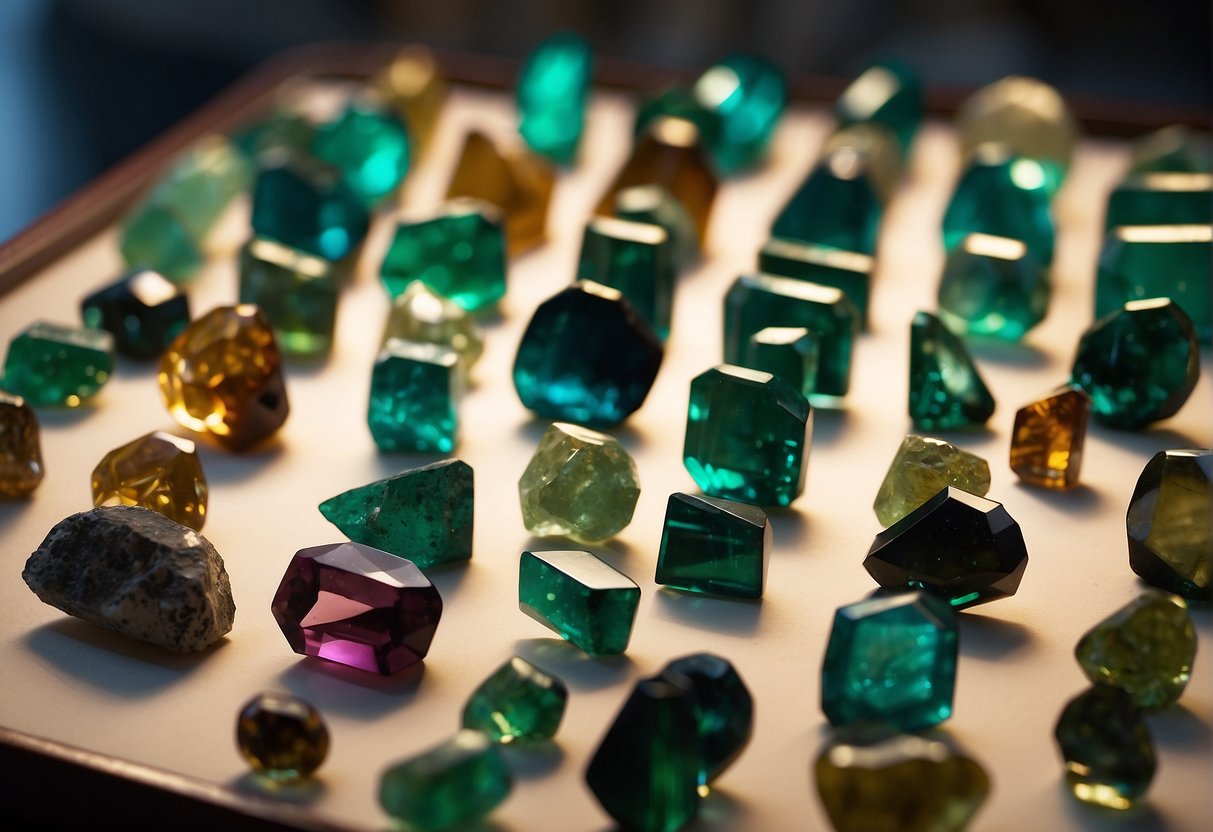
(281, 736)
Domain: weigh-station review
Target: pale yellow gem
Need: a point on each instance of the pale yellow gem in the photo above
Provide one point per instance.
(922, 468)
(422, 315)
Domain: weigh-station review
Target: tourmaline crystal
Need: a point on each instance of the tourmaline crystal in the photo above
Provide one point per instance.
(580, 483)
(1161, 199)
(1173, 149)
(635, 258)
(993, 286)
(961, 547)
(370, 146)
(552, 91)
(1170, 523)
(791, 353)
(655, 205)
(1004, 196)
(297, 291)
(142, 310)
(920, 469)
(157, 471)
(282, 737)
(891, 659)
(307, 204)
(1048, 437)
(422, 315)
(518, 183)
(449, 786)
(586, 357)
(21, 466)
(1138, 364)
(838, 205)
(849, 271)
(223, 376)
(1106, 747)
(423, 514)
(414, 87)
(946, 391)
(1172, 261)
(357, 606)
(517, 703)
(747, 436)
(52, 365)
(723, 709)
(579, 597)
(1146, 649)
(888, 93)
(459, 253)
(414, 401)
(715, 546)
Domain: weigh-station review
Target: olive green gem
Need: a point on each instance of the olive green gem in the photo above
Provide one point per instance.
(518, 703)
(421, 315)
(922, 467)
(1170, 523)
(297, 291)
(458, 782)
(1106, 746)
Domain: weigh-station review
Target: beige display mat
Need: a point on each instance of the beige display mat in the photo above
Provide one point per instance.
(68, 681)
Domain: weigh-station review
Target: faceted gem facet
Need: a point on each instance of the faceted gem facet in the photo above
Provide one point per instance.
(414, 87)
(723, 707)
(1004, 196)
(1161, 199)
(297, 291)
(838, 205)
(1139, 364)
(157, 471)
(714, 546)
(52, 365)
(1173, 149)
(635, 258)
(357, 606)
(791, 353)
(1048, 437)
(579, 597)
(1146, 649)
(655, 205)
(921, 468)
(849, 271)
(518, 703)
(142, 310)
(962, 547)
(887, 93)
(946, 391)
(518, 183)
(369, 145)
(281, 736)
(223, 376)
(1170, 523)
(891, 659)
(307, 204)
(993, 286)
(414, 401)
(449, 786)
(552, 91)
(422, 315)
(1106, 746)
(21, 466)
(1172, 261)
(747, 436)
(586, 357)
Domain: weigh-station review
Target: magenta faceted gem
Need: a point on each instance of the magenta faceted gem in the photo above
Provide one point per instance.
(357, 605)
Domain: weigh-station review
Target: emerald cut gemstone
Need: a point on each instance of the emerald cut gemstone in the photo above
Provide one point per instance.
(723, 707)
(838, 205)
(1170, 523)
(552, 91)
(1048, 436)
(60, 366)
(718, 547)
(518, 703)
(1174, 149)
(142, 310)
(422, 315)
(848, 271)
(993, 286)
(155, 238)
(655, 205)
(745, 96)
(946, 391)
(297, 292)
(1159, 261)
(307, 204)
(747, 436)
(891, 660)
(21, 467)
(370, 146)
(787, 352)
(460, 254)
(1139, 364)
(1004, 196)
(415, 392)
(580, 597)
(1106, 746)
(635, 258)
(920, 469)
(455, 783)
(423, 514)
(888, 93)
(586, 357)
(1162, 199)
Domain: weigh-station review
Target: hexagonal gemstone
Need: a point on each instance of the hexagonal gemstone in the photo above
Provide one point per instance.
(714, 546)
(1106, 747)
(142, 310)
(451, 785)
(579, 597)
(849, 271)
(52, 365)
(946, 391)
(1173, 149)
(723, 710)
(1002, 195)
(1173, 261)
(922, 467)
(517, 703)
(1048, 437)
(655, 205)
(518, 183)
(158, 471)
(413, 86)
(421, 315)
(357, 606)
(21, 466)
(888, 93)
(993, 286)
(838, 205)
(635, 258)
(1161, 199)
(791, 353)
(551, 93)
(1170, 523)
(370, 146)
(307, 204)
(297, 291)
(414, 400)
(281, 736)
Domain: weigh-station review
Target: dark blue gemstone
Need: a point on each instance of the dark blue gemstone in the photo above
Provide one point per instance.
(143, 310)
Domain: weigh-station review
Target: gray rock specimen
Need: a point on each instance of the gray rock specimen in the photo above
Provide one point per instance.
(138, 573)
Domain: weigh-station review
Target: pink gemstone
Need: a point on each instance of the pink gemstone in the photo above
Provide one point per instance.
(357, 605)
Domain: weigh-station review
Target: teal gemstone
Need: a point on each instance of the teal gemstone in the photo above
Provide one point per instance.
(758, 301)
(451, 785)
(655, 205)
(1106, 747)
(552, 91)
(1004, 196)
(892, 660)
(306, 204)
(838, 205)
(746, 96)
(888, 93)
(724, 710)
(142, 310)
(297, 292)
(1174, 149)
(1138, 364)
(423, 514)
(791, 353)
(579, 597)
(1173, 261)
(52, 365)
(747, 436)
(459, 253)
(152, 237)
(713, 546)
(993, 286)
(946, 391)
(370, 146)
(635, 258)
(415, 392)
(1162, 199)
(1170, 523)
(518, 703)
(849, 271)
(281, 130)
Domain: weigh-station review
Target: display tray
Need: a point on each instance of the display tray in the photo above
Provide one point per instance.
(70, 683)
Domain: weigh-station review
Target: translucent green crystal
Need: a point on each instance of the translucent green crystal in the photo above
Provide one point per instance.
(1004, 196)
(307, 204)
(993, 286)
(517, 703)
(1106, 747)
(1173, 149)
(655, 205)
(714, 546)
(1162, 199)
(635, 258)
(414, 401)
(946, 391)
(552, 91)
(579, 597)
(458, 782)
(200, 185)
(281, 130)
(422, 315)
(848, 271)
(837, 206)
(49, 364)
(887, 93)
(155, 238)
(297, 291)
(724, 710)
(370, 146)
(746, 95)
(791, 353)
(1170, 523)
(921, 467)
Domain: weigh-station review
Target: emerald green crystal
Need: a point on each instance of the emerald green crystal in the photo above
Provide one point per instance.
(1162, 199)
(459, 253)
(1173, 149)
(993, 286)
(1138, 364)
(420, 314)
(1106, 746)
(635, 258)
(518, 703)
(946, 391)
(415, 392)
(552, 91)
(423, 514)
(655, 205)
(457, 782)
(837, 206)
(52, 365)
(724, 710)
(154, 238)
(307, 204)
(714, 546)
(1173, 261)
(787, 352)
(921, 467)
(848, 271)
(142, 310)
(1170, 523)
(580, 597)
(370, 146)
(886, 93)
(745, 95)
(281, 130)
(297, 291)
(1004, 196)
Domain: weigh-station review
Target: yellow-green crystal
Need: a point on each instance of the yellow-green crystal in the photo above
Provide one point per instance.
(421, 315)
(922, 467)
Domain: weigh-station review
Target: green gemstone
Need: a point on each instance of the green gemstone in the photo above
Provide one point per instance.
(922, 467)
(747, 436)
(580, 484)
(635, 258)
(1170, 523)
(281, 130)
(1003, 196)
(993, 286)
(892, 660)
(415, 393)
(552, 91)
(1106, 746)
(52, 365)
(154, 238)
(849, 271)
(1172, 261)
(886, 93)
(579, 597)
(837, 206)
(422, 315)
(201, 184)
(757, 301)
(655, 205)
(724, 710)
(423, 514)
(142, 310)
(518, 703)
(459, 253)
(306, 204)
(791, 353)
(714, 546)
(457, 782)
(946, 391)
(1162, 199)
(1139, 364)
(746, 96)
(297, 291)
(1174, 149)
(370, 146)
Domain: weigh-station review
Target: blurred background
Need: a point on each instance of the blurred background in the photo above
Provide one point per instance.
(83, 83)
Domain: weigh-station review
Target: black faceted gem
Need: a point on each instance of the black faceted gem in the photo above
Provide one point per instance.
(143, 310)
(724, 709)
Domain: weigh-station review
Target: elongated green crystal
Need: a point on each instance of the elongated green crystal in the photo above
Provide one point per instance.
(297, 291)
(838, 205)
(921, 467)
(993, 286)
(635, 258)
(849, 271)
(580, 597)
(457, 782)
(714, 546)
(1005, 196)
(50, 364)
(370, 146)
(414, 401)
(517, 703)
(887, 92)
(946, 391)
(552, 91)
(1156, 261)
(1106, 747)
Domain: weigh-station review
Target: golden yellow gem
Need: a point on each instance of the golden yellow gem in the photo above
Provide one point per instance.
(412, 86)
(20, 450)
(158, 471)
(1047, 440)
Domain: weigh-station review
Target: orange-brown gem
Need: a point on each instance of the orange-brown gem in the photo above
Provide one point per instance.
(158, 471)
(412, 86)
(20, 451)
(1047, 440)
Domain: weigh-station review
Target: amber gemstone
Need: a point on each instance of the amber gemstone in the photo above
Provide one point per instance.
(158, 471)
(20, 450)
(517, 182)
(1047, 440)
(413, 87)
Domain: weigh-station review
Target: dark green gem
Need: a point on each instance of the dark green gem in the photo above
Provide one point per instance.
(154, 237)
(723, 708)
(746, 95)
(1106, 746)
(886, 93)
(1162, 199)
(518, 703)
(838, 205)
(308, 205)
(370, 146)
(1170, 523)
(281, 130)
(946, 391)
(458, 782)
(791, 353)
(580, 597)
(635, 258)
(142, 310)
(1174, 149)
(655, 205)
(414, 401)
(1004, 196)
(59, 366)
(993, 286)
(714, 546)
(297, 291)
(552, 91)
(849, 271)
